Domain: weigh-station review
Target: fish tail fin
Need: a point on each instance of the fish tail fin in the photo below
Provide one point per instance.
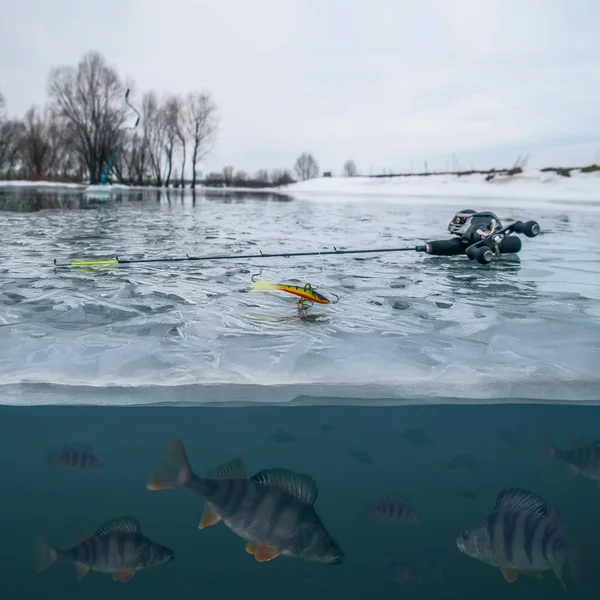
(46, 554)
(263, 286)
(548, 449)
(174, 471)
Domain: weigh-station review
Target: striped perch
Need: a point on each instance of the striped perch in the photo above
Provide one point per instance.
(272, 511)
(584, 459)
(519, 537)
(392, 509)
(78, 457)
(117, 547)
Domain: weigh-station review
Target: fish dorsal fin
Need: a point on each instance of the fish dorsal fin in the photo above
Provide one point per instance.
(81, 537)
(299, 485)
(518, 499)
(121, 525)
(234, 469)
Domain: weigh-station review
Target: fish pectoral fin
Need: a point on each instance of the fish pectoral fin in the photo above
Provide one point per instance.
(558, 573)
(124, 575)
(209, 517)
(82, 571)
(535, 574)
(261, 553)
(510, 575)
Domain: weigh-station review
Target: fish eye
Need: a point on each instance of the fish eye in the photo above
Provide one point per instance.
(465, 535)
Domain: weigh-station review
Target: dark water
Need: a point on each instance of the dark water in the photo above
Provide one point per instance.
(504, 442)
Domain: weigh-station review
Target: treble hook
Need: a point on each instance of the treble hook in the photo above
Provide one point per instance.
(304, 305)
(337, 298)
(253, 278)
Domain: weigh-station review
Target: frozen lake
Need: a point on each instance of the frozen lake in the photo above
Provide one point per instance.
(408, 327)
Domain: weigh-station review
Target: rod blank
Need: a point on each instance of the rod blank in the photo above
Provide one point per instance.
(129, 261)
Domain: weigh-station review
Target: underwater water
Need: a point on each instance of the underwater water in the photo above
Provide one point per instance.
(461, 371)
(503, 441)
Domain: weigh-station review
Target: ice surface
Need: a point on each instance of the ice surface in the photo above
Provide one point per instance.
(408, 327)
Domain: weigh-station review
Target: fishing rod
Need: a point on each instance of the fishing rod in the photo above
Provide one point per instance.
(187, 257)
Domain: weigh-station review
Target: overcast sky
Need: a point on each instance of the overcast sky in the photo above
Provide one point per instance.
(385, 82)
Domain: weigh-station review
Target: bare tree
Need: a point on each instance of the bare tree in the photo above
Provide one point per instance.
(90, 98)
(64, 163)
(35, 144)
(170, 116)
(9, 147)
(176, 131)
(261, 177)
(240, 179)
(306, 166)
(154, 129)
(350, 169)
(281, 177)
(227, 175)
(142, 151)
(200, 124)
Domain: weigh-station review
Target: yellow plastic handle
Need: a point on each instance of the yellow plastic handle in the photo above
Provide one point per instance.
(82, 263)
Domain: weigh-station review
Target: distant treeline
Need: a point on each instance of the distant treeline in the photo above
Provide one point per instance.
(73, 137)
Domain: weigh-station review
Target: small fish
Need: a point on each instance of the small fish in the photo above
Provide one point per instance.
(281, 436)
(362, 456)
(405, 572)
(117, 547)
(305, 291)
(273, 511)
(416, 436)
(326, 428)
(462, 463)
(393, 509)
(584, 459)
(467, 494)
(78, 457)
(518, 537)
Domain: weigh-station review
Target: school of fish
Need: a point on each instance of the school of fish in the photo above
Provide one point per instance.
(273, 512)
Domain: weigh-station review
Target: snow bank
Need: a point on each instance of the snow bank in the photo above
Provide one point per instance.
(529, 185)
(41, 184)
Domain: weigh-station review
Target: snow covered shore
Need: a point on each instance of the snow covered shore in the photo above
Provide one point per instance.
(531, 185)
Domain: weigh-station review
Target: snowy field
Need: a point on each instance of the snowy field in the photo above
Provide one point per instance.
(408, 327)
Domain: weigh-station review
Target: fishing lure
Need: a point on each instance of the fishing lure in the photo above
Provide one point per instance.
(308, 295)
